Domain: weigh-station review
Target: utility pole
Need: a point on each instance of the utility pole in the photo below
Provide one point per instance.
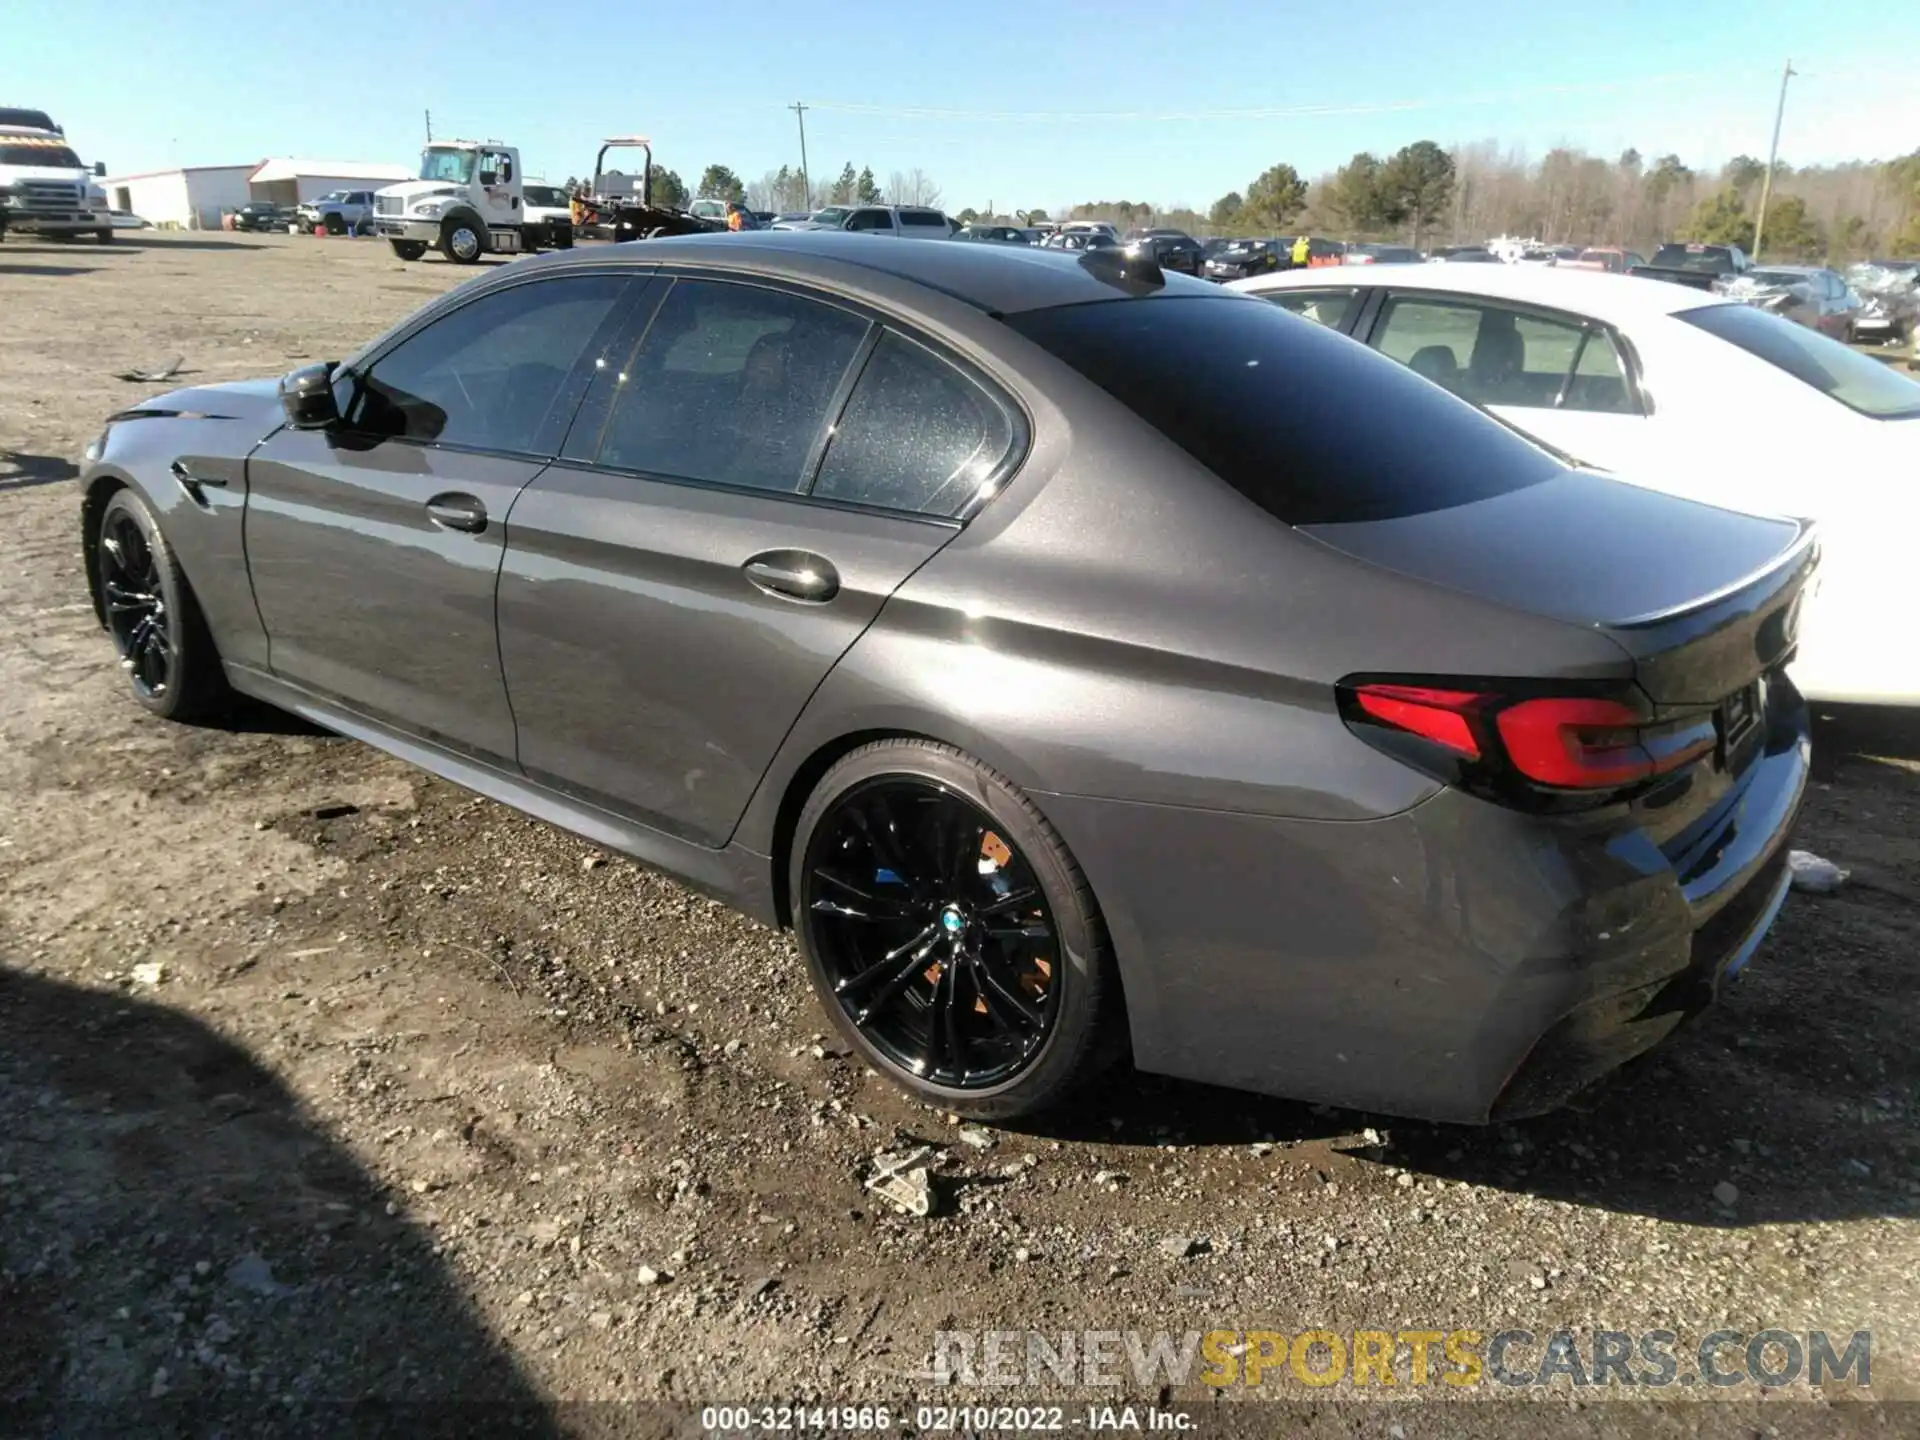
(806, 180)
(429, 127)
(1773, 156)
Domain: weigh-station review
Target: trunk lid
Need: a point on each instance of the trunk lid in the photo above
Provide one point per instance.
(1705, 600)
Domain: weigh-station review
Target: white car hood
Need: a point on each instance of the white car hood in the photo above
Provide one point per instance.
(410, 190)
(16, 173)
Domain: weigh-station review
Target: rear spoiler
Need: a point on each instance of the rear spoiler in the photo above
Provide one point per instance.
(1802, 555)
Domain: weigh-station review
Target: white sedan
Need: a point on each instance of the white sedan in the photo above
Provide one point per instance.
(1680, 390)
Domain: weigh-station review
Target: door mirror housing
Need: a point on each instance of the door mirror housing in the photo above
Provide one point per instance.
(100, 168)
(306, 395)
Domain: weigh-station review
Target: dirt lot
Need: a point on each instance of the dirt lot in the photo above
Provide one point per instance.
(321, 1080)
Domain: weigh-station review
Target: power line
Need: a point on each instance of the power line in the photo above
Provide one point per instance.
(806, 181)
(1773, 157)
(1264, 112)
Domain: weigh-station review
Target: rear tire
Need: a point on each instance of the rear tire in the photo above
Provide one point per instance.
(154, 618)
(1032, 1007)
(409, 249)
(103, 237)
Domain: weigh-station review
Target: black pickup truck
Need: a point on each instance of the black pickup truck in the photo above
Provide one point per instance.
(1689, 263)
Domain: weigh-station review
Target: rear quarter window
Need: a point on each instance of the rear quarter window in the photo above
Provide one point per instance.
(1313, 427)
(1861, 384)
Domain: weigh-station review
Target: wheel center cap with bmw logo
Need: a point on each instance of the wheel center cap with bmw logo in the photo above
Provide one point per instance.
(952, 920)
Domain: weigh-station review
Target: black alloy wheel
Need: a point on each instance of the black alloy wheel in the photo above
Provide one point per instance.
(165, 647)
(136, 604)
(933, 932)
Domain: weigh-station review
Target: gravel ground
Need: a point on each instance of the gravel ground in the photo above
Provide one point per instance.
(321, 1080)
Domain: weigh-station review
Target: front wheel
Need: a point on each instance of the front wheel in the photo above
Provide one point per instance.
(409, 249)
(165, 647)
(460, 241)
(103, 237)
(948, 932)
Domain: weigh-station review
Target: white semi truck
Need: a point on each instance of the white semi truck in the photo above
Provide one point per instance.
(469, 201)
(44, 189)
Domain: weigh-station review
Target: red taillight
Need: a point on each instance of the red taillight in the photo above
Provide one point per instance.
(1562, 742)
(1437, 715)
(1575, 744)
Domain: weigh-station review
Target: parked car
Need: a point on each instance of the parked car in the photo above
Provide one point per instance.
(1613, 261)
(1079, 241)
(722, 212)
(1171, 249)
(1035, 235)
(913, 222)
(1548, 255)
(995, 234)
(1889, 292)
(1382, 255)
(340, 212)
(127, 220)
(262, 215)
(1694, 264)
(1464, 255)
(931, 673)
(1241, 258)
(790, 220)
(1805, 294)
(1692, 393)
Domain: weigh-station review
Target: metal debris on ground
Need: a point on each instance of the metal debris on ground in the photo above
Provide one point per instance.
(149, 377)
(150, 972)
(1811, 873)
(904, 1181)
(976, 1137)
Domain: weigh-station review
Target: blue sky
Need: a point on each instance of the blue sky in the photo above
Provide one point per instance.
(1035, 102)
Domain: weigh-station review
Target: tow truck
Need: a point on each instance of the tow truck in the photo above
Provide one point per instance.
(469, 201)
(630, 217)
(44, 189)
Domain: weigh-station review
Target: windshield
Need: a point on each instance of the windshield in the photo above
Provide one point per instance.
(1859, 383)
(448, 165)
(832, 215)
(1710, 258)
(1285, 410)
(48, 153)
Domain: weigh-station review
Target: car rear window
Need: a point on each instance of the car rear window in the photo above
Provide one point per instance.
(1713, 258)
(1309, 425)
(1861, 384)
(923, 217)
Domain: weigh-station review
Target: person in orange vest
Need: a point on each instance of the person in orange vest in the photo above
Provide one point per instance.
(736, 218)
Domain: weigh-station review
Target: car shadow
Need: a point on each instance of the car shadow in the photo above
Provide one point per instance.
(185, 1243)
(10, 268)
(21, 471)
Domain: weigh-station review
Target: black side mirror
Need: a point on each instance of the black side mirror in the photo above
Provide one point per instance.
(100, 167)
(306, 395)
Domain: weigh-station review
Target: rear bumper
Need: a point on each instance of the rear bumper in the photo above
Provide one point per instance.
(1455, 962)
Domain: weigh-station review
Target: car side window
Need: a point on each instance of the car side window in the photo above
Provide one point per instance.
(731, 385)
(869, 220)
(1331, 308)
(487, 374)
(1491, 355)
(917, 435)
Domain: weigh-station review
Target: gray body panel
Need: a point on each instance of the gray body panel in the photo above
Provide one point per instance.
(649, 675)
(366, 599)
(1129, 638)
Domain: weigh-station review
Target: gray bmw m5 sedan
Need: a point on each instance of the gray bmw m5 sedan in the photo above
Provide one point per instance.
(1078, 657)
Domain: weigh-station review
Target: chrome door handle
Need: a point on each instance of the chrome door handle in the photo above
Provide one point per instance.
(794, 575)
(455, 511)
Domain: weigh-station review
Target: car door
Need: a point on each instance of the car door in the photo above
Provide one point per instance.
(672, 593)
(1559, 377)
(374, 545)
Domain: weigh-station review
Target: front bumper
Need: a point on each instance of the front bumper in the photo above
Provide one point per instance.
(1455, 962)
(56, 222)
(388, 227)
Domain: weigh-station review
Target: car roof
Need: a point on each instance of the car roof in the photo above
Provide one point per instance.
(999, 279)
(1617, 299)
(1793, 269)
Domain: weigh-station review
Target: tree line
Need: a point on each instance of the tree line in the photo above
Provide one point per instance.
(1425, 194)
